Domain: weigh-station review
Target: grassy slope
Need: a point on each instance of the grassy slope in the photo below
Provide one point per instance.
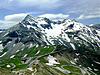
(64, 57)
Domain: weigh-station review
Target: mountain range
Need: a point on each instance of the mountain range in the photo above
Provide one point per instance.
(39, 38)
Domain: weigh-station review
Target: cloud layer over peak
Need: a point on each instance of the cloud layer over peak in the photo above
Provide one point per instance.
(15, 17)
(77, 9)
(54, 16)
(81, 17)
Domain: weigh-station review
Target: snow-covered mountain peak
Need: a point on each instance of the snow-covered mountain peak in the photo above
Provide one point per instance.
(28, 18)
(56, 28)
(42, 22)
(45, 31)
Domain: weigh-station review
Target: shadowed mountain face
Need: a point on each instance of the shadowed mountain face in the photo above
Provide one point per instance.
(65, 46)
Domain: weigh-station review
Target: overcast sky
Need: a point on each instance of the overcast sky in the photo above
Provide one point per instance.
(85, 11)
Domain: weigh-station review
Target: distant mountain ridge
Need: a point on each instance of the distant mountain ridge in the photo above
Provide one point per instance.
(96, 26)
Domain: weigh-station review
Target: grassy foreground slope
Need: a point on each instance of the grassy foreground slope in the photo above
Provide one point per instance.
(70, 62)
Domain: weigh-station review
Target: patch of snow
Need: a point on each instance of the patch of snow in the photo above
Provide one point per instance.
(12, 56)
(97, 62)
(52, 60)
(30, 68)
(37, 52)
(77, 54)
(0, 41)
(42, 22)
(6, 34)
(67, 38)
(73, 46)
(14, 45)
(96, 70)
(80, 65)
(17, 51)
(73, 62)
(3, 54)
(1, 47)
(56, 31)
(25, 55)
(76, 59)
(29, 26)
(83, 71)
(31, 45)
(8, 66)
(24, 25)
(1, 31)
(37, 45)
(89, 68)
